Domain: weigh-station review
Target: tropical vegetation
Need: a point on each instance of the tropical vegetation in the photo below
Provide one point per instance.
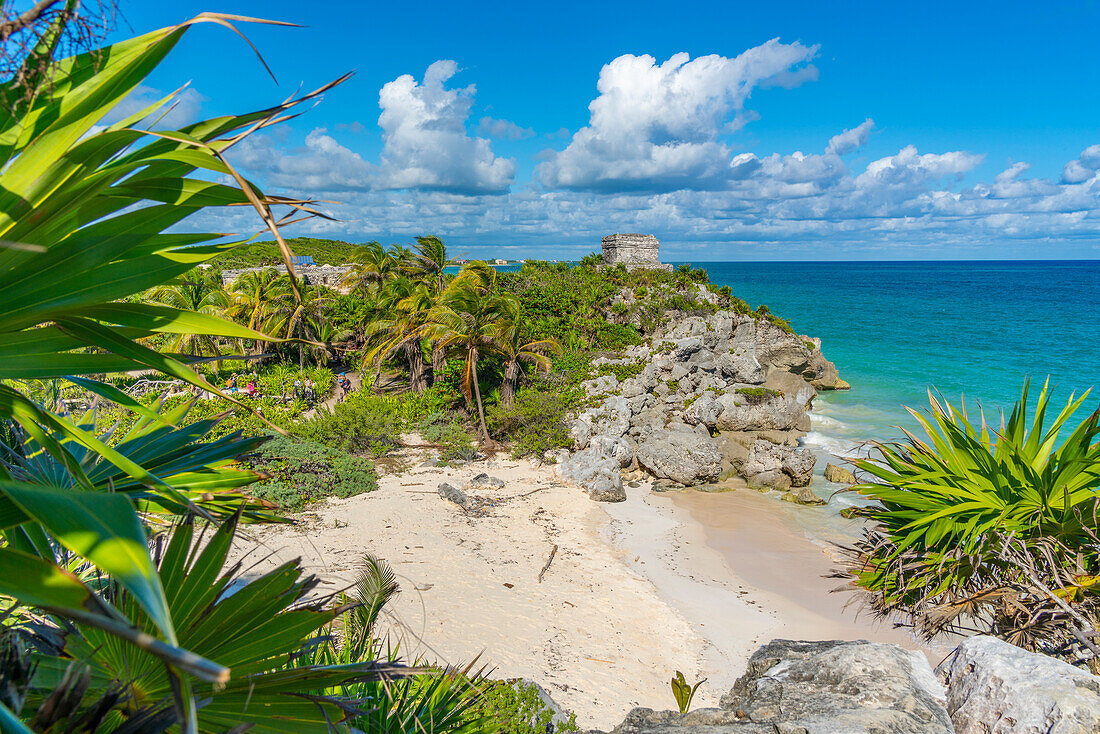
(121, 610)
(992, 530)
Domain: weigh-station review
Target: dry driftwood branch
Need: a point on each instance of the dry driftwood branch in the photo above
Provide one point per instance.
(553, 552)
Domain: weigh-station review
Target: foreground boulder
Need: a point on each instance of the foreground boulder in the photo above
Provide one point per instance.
(773, 466)
(997, 688)
(685, 456)
(595, 472)
(817, 688)
(839, 474)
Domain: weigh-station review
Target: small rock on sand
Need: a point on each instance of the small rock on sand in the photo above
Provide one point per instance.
(484, 480)
(454, 494)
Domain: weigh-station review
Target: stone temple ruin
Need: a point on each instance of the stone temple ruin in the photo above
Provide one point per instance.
(633, 250)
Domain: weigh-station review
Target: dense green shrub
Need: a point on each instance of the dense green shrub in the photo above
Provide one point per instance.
(758, 394)
(302, 472)
(622, 370)
(448, 432)
(364, 423)
(516, 707)
(535, 423)
(977, 529)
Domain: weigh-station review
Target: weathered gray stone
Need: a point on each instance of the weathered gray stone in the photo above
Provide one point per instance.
(619, 448)
(581, 433)
(601, 385)
(485, 481)
(633, 250)
(686, 347)
(839, 474)
(739, 368)
(599, 475)
(997, 688)
(768, 461)
(705, 410)
(772, 412)
(683, 456)
(816, 688)
(453, 494)
(802, 496)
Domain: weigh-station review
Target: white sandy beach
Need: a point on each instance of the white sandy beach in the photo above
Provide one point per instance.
(635, 591)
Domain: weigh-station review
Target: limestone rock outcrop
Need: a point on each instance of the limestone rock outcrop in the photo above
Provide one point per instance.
(779, 467)
(686, 456)
(694, 401)
(997, 688)
(839, 474)
(816, 688)
(600, 475)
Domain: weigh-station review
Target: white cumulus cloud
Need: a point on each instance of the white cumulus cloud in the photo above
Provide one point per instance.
(852, 139)
(506, 129)
(425, 143)
(656, 127)
(321, 164)
(1084, 167)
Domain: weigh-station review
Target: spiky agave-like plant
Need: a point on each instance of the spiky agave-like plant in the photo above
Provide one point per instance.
(991, 531)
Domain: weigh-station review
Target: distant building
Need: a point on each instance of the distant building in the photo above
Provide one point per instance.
(330, 276)
(498, 261)
(633, 250)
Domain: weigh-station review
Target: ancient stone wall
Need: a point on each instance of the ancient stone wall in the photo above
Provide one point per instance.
(330, 276)
(633, 250)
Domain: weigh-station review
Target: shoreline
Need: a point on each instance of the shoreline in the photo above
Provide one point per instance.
(752, 575)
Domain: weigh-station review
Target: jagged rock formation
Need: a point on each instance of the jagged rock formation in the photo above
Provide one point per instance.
(330, 276)
(709, 397)
(633, 250)
(816, 688)
(997, 688)
(839, 474)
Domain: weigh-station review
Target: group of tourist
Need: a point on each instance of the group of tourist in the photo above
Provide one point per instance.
(233, 385)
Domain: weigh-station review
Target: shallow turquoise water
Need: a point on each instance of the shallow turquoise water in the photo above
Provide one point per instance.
(894, 329)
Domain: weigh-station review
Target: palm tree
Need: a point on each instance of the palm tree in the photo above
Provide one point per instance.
(429, 260)
(195, 290)
(403, 306)
(371, 266)
(328, 335)
(468, 320)
(428, 263)
(254, 297)
(292, 318)
(516, 351)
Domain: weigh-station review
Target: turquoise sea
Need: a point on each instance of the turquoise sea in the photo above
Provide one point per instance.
(895, 329)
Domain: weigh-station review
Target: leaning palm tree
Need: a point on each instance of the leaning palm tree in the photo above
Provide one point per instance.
(468, 320)
(328, 336)
(254, 297)
(299, 318)
(404, 306)
(199, 291)
(429, 261)
(516, 350)
(371, 266)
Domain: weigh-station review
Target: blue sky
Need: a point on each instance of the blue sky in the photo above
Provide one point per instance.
(524, 129)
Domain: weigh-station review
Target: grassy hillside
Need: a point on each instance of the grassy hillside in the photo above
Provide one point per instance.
(324, 252)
